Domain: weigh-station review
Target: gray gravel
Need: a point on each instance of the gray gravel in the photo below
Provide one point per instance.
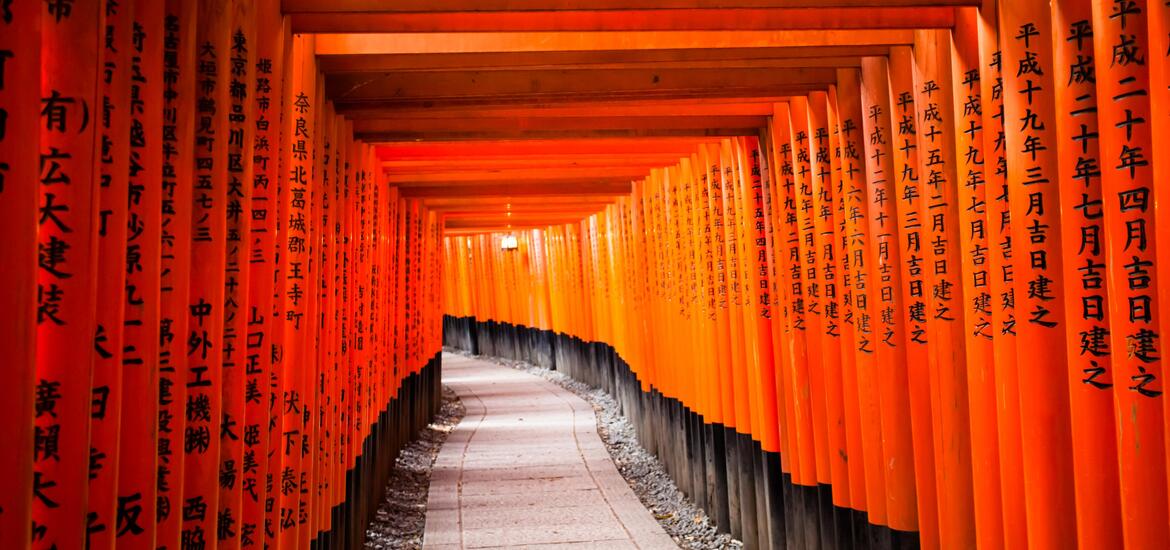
(685, 522)
(402, 516)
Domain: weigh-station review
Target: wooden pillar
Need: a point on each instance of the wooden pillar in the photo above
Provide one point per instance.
(241, 135)
(1125, 125)
(268, 105)
(20, 52)
(279, 384)
(886, 296)
(813, 304)
(113, 117)
(1159, 74)
(858, 239)
(977, 304)
(1090, 373)
(1034, 195)
(1001, 281)
(854, 362)
(719, 249)
(135, 517)
(204, 382)
(178, 134)
(910, 208)
(829, 289)
(70, 111)
(797, 404)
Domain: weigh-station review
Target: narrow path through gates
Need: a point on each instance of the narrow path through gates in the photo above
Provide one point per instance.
(526, 467)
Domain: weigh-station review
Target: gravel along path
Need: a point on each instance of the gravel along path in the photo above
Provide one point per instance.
(685, 522)
(402, 515)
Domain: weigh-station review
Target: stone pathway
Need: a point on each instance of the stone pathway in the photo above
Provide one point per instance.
(526, 468)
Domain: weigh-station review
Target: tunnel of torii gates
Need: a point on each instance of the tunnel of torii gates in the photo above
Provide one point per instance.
(862, 273)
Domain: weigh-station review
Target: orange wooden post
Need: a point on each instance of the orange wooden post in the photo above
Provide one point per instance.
(1159, 67)
(798, 402)
(351, 407)
(714, 192)
(268, 104)
(308, 374)
(936, 156)
(20, 48)
(777, 299)
(812, 282)
(1034, 195)
(886, 293)
(208, 254)
(707, 326)
(867, 298)
(1002, 277)
(279, 382)
(241, 80)
(759, 271)
(1089, 370)
(301, 134)
(322, 350)
(70, 108)
(848, 326)
(829, 288)
(970, 165)
(1125, 124)
(333, 486)
(113, 190)
(178, 134)
(746, 414)
(134, 525)
(739, 180)
(899, 99)
(738, 381)
(760, 286)
(755, 355)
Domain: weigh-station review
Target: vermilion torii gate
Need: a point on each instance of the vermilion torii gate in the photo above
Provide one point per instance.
(868, 273)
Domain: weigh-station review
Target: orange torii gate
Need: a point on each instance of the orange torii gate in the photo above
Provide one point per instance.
(991, 234)
(158, 282)
(862, 273)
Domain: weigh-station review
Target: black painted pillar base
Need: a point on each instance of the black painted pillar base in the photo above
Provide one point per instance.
(408, 412)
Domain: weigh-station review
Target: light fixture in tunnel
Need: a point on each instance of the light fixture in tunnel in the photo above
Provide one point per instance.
(508, 242)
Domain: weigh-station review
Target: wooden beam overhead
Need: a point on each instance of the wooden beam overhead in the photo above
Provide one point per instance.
(610, 189)
(547, 183)
(502, 202)
(488, 177)
(576, 203)
(676, 108)
(540, 148)
(563, 162)
(680, 58)
(626, 20)
(464, 87)
(520, 135)
(542, 221)
(427, 126)
(422, 6)
(473, 210)
(448, 42)
(520, 214)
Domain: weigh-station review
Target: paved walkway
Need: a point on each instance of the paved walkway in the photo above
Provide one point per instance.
(526, 468)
